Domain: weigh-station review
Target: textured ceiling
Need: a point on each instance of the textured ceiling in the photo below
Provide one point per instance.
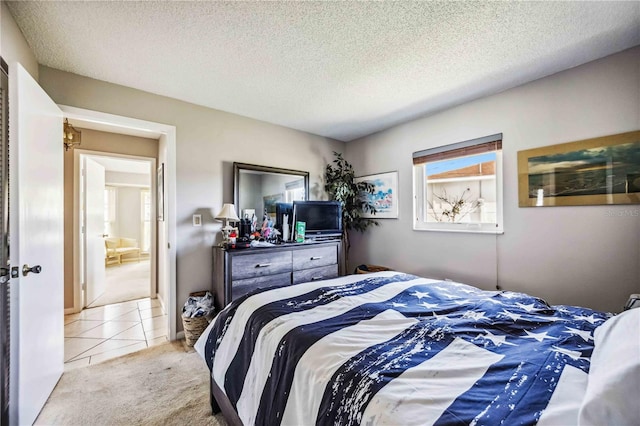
(337, 69)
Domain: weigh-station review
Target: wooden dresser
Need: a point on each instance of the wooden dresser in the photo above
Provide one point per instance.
(239, 271)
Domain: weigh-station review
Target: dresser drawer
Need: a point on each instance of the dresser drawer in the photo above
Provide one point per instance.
(238, 272)
(315, 257)
(241, 287)
(315, 274)
(260, 264)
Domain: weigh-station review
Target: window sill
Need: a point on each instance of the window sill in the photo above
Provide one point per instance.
(461, 229)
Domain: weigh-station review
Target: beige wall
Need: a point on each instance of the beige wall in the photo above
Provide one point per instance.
(94, 140)
(134, 179)
(128, 213)
(572, 255)
(13, 46)
(207, 143)
(578, 255)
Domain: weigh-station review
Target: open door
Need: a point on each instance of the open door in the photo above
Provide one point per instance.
(36, 249)
(94, 229)
(4, 244)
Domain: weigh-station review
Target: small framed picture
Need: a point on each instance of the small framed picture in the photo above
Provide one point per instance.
(385, 197)
(197, 220)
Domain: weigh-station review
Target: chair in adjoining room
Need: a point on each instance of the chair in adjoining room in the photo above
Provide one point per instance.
(121, 249)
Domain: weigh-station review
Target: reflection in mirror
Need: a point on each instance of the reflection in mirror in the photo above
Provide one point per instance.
(259, 188)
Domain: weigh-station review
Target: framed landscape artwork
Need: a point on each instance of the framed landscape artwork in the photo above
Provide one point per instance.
(385, 197)
(603, 170)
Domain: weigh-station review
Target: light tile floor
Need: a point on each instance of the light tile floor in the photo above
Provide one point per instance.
(110, 331)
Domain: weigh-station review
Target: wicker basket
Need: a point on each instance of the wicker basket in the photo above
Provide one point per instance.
(193, 327)
(367, 269)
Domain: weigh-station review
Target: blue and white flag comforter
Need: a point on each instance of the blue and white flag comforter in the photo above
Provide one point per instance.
(392, 348)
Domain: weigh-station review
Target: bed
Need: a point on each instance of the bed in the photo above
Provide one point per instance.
(393, 348)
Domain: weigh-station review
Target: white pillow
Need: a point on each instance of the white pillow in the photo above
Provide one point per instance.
(613, 388)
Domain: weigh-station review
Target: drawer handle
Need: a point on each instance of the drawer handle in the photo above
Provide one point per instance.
(316, 278)
(316, 257)
(263, 265)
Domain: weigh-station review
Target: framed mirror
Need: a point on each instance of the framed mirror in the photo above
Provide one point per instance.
(257, 189)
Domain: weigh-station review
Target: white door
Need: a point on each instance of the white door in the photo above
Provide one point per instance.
(36, 230)
(94, 229)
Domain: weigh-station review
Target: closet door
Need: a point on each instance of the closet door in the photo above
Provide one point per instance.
(36, 190)
(4, 248)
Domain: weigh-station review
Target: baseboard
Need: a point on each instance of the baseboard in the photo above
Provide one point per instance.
(180, 335)
(161, 300)
(68, 311)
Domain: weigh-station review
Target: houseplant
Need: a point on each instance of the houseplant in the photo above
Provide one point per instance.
(339, 184)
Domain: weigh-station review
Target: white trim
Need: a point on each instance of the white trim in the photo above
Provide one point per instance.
(77, 281)
(170, 221)
(168, 141)
(155, 130)
(469, 230)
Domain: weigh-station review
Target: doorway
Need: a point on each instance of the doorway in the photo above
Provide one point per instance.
(119, 268)
(165, 268)
(116, 251)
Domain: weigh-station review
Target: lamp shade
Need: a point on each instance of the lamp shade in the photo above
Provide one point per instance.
(228, 212)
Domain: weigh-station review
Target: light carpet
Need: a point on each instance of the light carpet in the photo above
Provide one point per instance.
(129, 281)
(162, 385)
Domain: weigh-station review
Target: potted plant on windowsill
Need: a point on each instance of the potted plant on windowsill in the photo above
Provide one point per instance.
(340, 185)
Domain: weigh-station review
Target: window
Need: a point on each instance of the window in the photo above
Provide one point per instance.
(458, 187)
(294, 191)
(109, 209)
(145, 210)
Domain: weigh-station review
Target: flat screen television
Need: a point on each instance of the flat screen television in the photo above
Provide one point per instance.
(323, 219)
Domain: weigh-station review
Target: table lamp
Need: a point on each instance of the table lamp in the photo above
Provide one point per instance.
(228, 213)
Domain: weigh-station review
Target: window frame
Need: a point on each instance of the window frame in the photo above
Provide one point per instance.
(145, 243)
(420, 208)
(110, 208)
